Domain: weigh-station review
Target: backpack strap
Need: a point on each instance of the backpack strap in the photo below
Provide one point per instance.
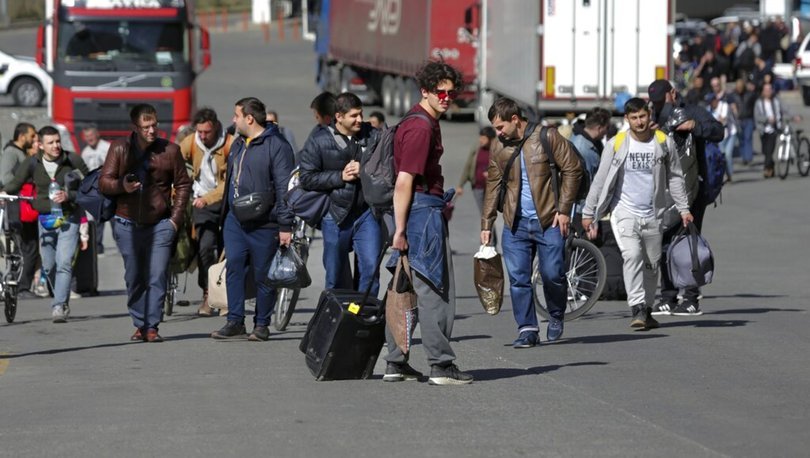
(552, 163)
(659, 135)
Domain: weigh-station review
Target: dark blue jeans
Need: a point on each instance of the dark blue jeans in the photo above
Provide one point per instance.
(746, 137)
(146, 251)
(256, 246)
(520, 245)
(361, 235)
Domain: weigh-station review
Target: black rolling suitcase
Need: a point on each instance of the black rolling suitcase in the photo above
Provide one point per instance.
(85, 268)
(345, 336)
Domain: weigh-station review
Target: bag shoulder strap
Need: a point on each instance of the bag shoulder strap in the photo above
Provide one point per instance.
(552, 162)
(529, 130)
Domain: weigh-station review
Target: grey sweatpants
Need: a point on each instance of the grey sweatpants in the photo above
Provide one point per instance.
(435, 317)
(639, 240)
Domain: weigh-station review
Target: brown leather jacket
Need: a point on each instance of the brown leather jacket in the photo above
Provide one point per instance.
(166, 169)
(539, 173)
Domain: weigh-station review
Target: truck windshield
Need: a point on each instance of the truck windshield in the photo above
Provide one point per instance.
(123, 44)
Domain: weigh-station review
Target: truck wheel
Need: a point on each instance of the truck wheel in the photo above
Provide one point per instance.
(27, 92)
(806, 95)
(388, 94)
(410, 95)
(399, 108)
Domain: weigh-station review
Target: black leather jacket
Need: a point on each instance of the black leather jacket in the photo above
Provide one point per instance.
(323, 158)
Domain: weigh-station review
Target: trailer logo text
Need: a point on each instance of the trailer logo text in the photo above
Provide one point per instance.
(385, 15)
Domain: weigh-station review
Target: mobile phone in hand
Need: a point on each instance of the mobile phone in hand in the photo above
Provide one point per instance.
(131, 178)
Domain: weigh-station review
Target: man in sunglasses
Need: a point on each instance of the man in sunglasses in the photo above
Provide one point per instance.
(419, 199)
(536, 216)
(59, 216)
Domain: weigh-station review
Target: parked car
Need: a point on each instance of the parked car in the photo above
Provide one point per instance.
(23, 79)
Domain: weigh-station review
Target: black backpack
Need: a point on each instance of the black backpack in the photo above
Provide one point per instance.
(377, 172)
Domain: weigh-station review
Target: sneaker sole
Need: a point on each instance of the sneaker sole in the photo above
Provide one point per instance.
(524, 346)
(638, 324)
(447, 381)
(60, 320)
(688, 314)
(400, 378)
(661, 313)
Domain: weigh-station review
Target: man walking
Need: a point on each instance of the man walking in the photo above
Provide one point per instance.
(698, 124)
(259, 165)
(94, 154)
(421, 230)
(330, 163)
(140, 172)
(475, 170)
(207, 152)
(536, 220)
(59, 216)
(14, 154)
(637, 170)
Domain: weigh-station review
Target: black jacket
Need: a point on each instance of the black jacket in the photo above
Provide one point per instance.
(36, 172)
(325, 155)
(707, 129)
(266, 167)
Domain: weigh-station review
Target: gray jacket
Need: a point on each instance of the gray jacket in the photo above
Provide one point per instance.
(11, 158)
(667, 177)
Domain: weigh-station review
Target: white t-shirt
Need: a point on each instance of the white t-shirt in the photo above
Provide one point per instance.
(95, 157)
(636, 184)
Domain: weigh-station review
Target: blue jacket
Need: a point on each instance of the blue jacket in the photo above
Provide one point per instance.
(427, 238)
(266, 167)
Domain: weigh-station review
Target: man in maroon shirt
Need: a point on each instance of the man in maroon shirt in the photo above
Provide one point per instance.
(419, 199)
(475, 171)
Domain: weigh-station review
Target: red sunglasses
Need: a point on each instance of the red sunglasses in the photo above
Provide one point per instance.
(445, 94)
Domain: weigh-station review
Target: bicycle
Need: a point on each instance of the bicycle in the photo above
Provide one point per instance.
(171, 293)
(286, 298)
(792, 146)
(586, 275)
(12, 255)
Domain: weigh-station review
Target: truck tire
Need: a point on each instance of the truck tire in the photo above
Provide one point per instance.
(806, 95)
(399, 108)
(411, 95)
(388, 94)
(27, 92)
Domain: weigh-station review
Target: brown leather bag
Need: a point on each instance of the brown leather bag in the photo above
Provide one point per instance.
(400, 305)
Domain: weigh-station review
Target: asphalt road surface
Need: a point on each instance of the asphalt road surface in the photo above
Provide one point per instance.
(732, 382)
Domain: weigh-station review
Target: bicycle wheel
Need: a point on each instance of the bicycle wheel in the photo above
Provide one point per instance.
(803, 157)
(585, 276)
(14, 258)
(10, 300)
(285, 306)
(782, 163)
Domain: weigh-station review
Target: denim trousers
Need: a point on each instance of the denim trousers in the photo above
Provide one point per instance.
(146, 250)
(639, 240)
(746, 137)
(520, 245)
(362, 235)
(255, 247)
(56, 248)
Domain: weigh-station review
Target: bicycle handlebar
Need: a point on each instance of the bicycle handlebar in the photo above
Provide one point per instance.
(12, 198)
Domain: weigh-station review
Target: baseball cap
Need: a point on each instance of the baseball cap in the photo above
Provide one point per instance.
(658, 90)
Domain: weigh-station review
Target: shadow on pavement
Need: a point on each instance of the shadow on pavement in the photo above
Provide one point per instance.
(504, 373)
(470, 337)
(57, 351)
(609, 338)
(74, 318)
(745, 296)
(705, 323)
(751, 311)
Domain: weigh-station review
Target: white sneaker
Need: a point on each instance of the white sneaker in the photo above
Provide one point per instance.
(58, 314)
(75, 295)
(41, 290)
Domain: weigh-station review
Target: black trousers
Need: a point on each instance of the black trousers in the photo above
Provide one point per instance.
(209, 241)
(29, 247)
(669, 293)
(768, 145)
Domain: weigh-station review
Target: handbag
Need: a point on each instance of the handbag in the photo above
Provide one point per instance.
(288, 270)
(253, 206)
(689, 259)
(488, 278)
(27, 212)
(310, 206)
(217, 289)
(400, 305)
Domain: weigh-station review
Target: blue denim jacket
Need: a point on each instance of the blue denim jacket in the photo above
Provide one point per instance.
(427, 237)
